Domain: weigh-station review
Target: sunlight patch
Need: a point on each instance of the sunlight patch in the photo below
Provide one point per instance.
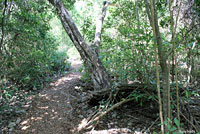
(112, 131)
(82, 124)
(24, 122)
(25, 127)
(43, 107)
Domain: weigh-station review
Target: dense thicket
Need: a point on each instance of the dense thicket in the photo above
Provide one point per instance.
(128, 46)
(28, 50)
(134, 33)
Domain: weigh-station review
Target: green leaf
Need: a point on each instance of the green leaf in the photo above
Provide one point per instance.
(176, 121)
(173, 129)
(187, 94)
(168, 126)
(165, 122)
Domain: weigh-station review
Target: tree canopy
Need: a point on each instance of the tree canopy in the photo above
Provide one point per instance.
(122, 43)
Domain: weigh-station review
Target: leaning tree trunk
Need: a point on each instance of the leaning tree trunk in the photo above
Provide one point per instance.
(89, 54)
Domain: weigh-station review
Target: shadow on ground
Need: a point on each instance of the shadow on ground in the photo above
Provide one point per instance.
(52, 110)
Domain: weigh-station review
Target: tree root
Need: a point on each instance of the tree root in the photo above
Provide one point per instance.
(94, 120)
(112, 97)
(127, 88)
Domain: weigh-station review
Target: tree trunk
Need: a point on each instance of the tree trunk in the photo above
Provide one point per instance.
(89, 55)
(174, 58)
(163, 62)
(2, 26)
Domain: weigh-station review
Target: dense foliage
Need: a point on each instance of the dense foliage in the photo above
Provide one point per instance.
(29, 50)
(28, 56)
(127, 48)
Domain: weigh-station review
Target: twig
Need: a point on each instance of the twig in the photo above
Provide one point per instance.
(177, 44)
(152, 124)
(186, 118)
(197, 124)
(189, 121)
(105, 112)
(98, 112)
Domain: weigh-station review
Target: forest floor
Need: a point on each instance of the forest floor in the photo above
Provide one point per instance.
(52, 109)
(59, 109)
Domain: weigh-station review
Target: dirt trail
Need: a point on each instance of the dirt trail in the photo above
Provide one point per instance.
(59, 109)
(52, 110)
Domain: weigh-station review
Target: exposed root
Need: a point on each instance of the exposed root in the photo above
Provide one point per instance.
(95, 118)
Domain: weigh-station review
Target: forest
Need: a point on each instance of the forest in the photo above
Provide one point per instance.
(99, 67)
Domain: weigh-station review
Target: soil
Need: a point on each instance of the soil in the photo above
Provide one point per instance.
(52, 110)
(59, 109)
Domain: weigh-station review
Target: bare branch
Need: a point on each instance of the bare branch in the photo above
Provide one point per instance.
(96, 118)
(99, 25)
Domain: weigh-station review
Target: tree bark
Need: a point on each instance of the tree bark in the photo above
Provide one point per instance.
(99, 26)
(99, 75)
(163, 62)
(2, 26)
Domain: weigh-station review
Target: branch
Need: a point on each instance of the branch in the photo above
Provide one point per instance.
(94, 120)
(100, 77)
(148, 11)
(185, 117)
(99, 25)
(64, 15)
(72, 30)
(186, 34)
